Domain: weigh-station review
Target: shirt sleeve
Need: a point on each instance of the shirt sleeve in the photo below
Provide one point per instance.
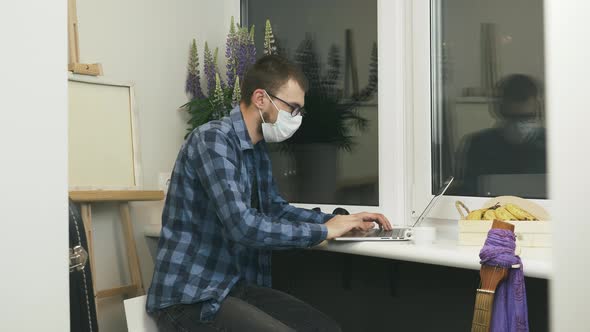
(216, 167)
(282, 209)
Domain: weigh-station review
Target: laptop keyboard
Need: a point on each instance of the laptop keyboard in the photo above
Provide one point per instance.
(396, 233)
(378, 232)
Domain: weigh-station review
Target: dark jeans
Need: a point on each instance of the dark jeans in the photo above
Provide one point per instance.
(248, 308)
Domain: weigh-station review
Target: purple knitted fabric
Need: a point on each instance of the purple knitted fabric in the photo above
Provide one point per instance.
(510, 310)
(509, 313)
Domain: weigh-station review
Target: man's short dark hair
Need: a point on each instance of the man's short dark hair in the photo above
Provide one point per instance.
(518, 88)
(270, 73)
(514, 89)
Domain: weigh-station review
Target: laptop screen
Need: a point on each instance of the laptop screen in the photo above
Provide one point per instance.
(433, 201)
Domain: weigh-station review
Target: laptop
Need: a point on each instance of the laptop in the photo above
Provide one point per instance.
(397, 233)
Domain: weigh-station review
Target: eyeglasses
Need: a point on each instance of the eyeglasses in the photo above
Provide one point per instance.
(295, 109)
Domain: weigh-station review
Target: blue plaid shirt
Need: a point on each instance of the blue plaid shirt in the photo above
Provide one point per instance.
(211, 237)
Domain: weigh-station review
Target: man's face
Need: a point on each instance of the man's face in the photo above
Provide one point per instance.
(285, 98)
(526, 109)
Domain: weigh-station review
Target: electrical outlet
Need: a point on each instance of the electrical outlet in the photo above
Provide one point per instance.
(164, 180)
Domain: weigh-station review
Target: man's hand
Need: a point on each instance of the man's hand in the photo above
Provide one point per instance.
(361, 221)
(376, 217)
(344, 223)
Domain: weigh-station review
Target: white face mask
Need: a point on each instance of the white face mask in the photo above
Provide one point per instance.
(522, 131)
(285, 126)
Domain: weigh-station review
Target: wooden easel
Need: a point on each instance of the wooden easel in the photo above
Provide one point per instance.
(123, 197)
(74, 65)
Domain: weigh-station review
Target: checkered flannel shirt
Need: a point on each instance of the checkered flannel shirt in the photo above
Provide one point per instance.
(211, 237)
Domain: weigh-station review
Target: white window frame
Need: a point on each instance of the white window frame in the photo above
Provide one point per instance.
(422, 101)
(394, 97)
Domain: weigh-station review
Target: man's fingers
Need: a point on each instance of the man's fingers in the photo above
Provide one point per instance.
(368, 225)
(385, 221)
(378, 217)
(365, 225)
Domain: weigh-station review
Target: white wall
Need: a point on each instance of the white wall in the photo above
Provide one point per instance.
(568, 105)
(33, 141)
(147, 43)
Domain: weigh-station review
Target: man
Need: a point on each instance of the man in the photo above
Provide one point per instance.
(223, 216)
(516, 147)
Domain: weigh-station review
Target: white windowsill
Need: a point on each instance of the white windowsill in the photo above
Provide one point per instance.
(445, 251)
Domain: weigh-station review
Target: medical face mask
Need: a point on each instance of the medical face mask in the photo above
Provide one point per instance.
(523, 130)
(285, 126)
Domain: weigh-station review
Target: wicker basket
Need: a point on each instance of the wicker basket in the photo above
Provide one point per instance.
(528, 233)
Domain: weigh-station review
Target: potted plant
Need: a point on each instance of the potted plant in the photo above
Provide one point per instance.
(222, 95)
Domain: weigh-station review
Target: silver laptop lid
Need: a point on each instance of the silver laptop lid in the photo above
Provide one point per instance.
(434, 200)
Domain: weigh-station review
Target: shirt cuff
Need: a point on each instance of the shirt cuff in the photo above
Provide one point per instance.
(319, 232)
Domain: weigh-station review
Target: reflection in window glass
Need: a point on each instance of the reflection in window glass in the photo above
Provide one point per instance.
(487, 113)
(333, 157)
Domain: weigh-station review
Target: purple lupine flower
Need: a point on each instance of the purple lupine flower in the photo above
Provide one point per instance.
(251, 49)
(237, 94)
(209, 68)
(193, 79)
(242, 54)
(193, 87)
(217, 99)
(230, 53)
(216, 68)
(269, 39)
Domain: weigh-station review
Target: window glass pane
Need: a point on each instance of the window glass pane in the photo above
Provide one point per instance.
(333, 157)
(488, 108)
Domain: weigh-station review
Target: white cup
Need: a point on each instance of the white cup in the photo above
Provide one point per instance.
(422, 236)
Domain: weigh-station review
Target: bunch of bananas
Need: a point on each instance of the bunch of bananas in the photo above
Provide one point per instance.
(501, 212)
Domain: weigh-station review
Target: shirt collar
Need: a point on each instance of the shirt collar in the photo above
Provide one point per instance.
(239, 125)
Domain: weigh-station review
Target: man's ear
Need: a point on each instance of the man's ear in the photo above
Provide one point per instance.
(258, 98)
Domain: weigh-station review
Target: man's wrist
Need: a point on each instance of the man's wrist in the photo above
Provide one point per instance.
(326, 217)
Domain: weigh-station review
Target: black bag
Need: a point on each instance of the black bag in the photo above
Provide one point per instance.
(82, 306)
